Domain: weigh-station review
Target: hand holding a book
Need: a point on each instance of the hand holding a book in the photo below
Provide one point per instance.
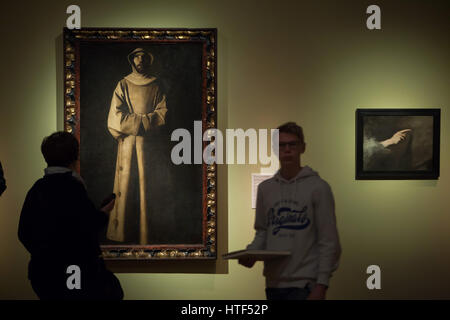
(247, 262)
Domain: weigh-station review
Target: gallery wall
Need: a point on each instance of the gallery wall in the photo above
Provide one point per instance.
(277, 61)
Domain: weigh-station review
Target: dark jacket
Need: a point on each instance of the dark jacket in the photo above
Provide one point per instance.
(2, 180)
(59, 225)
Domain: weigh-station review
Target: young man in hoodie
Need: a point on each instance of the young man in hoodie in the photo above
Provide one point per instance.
(59, 225)
(295, 212)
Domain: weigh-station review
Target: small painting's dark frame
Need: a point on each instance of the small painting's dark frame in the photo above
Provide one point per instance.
(362, 174)
(206, 249)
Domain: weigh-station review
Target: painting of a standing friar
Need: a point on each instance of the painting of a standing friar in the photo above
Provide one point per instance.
(138, 107)
(125, 92)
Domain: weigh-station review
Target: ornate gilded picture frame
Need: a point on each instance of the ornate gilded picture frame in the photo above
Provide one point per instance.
(125, 92)
(397, 144)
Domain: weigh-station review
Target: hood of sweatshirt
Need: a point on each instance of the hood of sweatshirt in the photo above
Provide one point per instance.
(288, 188)
(305, 172)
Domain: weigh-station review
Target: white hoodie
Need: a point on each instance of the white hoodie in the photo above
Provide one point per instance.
(297, 216)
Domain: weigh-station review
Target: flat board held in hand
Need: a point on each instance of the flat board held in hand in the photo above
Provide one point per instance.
(259, 255)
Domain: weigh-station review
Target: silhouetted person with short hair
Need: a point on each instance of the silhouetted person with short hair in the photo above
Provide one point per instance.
(2, 181)
(59, 225)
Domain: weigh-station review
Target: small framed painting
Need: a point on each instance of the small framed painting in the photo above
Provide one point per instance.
(397, 143)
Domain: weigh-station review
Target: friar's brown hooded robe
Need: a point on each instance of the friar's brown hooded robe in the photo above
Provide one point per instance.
(138, 107)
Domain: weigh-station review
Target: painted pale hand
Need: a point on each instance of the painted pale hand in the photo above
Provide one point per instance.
(396, 138)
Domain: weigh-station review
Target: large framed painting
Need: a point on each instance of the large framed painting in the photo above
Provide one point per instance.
(126, 92)
(397, 143)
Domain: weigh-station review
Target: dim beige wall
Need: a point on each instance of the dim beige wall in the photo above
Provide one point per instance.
(277, 61)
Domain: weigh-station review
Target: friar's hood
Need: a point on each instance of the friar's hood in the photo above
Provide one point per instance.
(135, 77)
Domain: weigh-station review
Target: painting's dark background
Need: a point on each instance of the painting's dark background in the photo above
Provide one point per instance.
(415, 152)
(175, 211)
